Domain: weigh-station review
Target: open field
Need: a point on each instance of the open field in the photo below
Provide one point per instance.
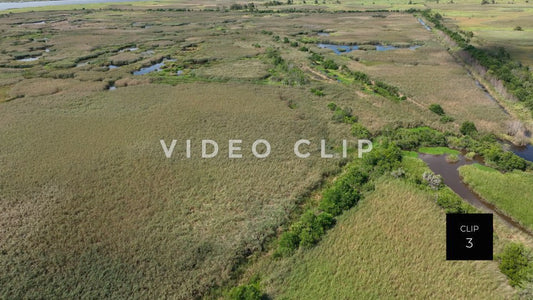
(91, 208)
(80, 47)
(510, 191)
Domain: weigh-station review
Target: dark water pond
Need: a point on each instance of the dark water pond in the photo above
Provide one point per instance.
(450, 176)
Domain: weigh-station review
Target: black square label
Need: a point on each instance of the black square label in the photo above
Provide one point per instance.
(469, 237)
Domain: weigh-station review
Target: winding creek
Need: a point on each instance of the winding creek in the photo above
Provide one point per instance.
(450, 176)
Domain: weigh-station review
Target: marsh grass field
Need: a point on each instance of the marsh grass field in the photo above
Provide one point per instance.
(90, 207)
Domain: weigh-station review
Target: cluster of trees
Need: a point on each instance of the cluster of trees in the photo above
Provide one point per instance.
(414, 138)
(486, 145)
(517, 78)
(491, 150)
(246, 6)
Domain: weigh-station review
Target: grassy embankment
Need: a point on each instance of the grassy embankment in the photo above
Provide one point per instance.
(511, 192)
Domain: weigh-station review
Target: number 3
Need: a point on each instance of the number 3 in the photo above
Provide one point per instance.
(469, 243)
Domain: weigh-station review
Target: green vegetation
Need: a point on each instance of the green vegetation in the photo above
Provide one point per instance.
(360, 131)
(438, 150)
(468, 128)
(251, 291)
(342, 195)
(488, 147)
(342, 115)
(375, 253)
(517, 263)
(413, 138)
(511, 192)
(79, 159)
(436, 108)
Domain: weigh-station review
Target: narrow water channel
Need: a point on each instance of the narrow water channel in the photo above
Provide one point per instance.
(450, 176)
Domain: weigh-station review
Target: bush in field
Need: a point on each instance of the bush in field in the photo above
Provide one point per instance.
(451, 203)
(436, 108)
(516, 263)
(360, 131)
(332, 106)
(288, 244)
(329, 64)
(316, 58)
(310, 228)
(251, 291)
(468, 128)
(344, 115)
(319, 92)
(446, 119)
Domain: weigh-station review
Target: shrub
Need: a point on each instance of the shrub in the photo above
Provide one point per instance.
(310, 228)
(451, 203)
(468, 128)
(288, 243)
(316, 58)
(250, 291)
(361, 77)
(318, 91)
(433, 181)
(332, 106)
(504, 160)
(436, 108)
(446, 119)
(515, 263)
(344, 194)
(360, 131)
(344, 115)
(330, 64)
(518, 28)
